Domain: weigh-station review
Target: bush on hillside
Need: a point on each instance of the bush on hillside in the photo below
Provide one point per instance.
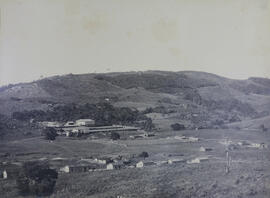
(144, 154)
(178, 127)
(49, 133)
(115, 136)
(102, 113)
(263, 128)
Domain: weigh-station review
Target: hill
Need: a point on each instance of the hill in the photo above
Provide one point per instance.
(196, 99)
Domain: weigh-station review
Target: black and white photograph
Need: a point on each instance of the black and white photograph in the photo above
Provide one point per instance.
(135, 98)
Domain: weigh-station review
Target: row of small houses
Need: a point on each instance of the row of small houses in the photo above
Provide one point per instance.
(11, 170)
(127, 164)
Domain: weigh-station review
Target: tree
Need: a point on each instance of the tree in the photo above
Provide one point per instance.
(144, 154)
(177, 127)
(263, 128)
(50, 133)
(148, 125)
(36, 179)
(115, 136)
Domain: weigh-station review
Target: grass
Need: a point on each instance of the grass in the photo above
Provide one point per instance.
(249, 175)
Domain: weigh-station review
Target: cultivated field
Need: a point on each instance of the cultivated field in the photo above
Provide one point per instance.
(249, 174)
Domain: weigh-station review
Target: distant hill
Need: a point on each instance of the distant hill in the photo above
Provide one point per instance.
(193, 98)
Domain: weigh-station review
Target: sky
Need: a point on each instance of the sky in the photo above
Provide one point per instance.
(41, 38)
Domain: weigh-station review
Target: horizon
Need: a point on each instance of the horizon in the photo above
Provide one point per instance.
(47, 38)
(45, 77)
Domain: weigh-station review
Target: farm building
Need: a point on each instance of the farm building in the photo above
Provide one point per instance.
(73, 129)
(51, 124)
(85, 122)
(70, 124)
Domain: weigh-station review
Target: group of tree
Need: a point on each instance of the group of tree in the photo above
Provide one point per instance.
(102, 113)
(36, 179)
(148, 125)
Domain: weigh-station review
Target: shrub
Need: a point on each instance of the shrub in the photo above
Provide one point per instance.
(36, 179)
(115, 136)
(49, 133)
(263, 128)
(144, 154)
(148, 125)
(177, 127)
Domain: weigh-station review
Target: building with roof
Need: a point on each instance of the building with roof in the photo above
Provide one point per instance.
(85, 122)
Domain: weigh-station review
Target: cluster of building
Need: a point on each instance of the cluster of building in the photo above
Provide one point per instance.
(80, 122)
(84, 126)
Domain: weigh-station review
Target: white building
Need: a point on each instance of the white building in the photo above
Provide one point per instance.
(139, 164)
(5, 176)
(110, 167)
(85, 122)
(65, 169)
(51, 124)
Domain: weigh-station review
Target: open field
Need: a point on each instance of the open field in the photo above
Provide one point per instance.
(249, 174)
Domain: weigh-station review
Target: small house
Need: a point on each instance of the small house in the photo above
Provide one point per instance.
(162, 162)
(104, 160)
(194, 161)
(149, 134)
(203, 149)
(197, 160)
(10, 171)
(139, 164)
(110, 167)
(5, 176)
(65, 169)
(173, 161)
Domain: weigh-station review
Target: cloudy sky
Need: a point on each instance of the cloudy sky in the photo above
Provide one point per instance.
(49, 37)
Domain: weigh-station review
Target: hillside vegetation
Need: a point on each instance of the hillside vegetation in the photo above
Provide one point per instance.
(195, 99)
